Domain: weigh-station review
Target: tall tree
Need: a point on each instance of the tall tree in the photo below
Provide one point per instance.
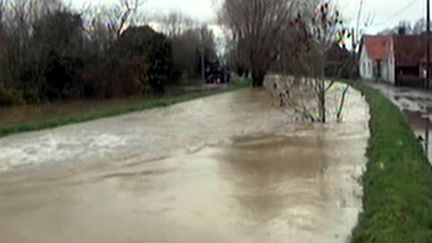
(176, 23)
(256, 25)
(316, 41)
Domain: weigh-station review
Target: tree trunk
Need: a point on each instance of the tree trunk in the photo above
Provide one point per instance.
(322, 102)
(258, 78)
(240, 71)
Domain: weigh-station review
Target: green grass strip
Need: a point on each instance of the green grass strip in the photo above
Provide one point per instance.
(398, 181)
(115, 111)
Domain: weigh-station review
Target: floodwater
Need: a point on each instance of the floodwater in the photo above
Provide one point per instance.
(417, 107)
(17, 115)
(228, 168)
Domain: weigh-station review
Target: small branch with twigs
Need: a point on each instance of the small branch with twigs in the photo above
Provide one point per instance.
(129, 9)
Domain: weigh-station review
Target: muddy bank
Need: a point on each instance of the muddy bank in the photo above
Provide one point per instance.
(229, 168)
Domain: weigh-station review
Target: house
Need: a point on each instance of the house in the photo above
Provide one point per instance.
(393, 59)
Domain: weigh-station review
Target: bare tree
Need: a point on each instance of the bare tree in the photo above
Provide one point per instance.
(256, 25)
(121, 15)
(176, 23)
(192, 49)
(2, 10)
(419, 26)
(317, 37)
(2, 43)
(316, 28)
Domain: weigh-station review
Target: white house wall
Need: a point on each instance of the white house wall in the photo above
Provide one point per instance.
(385, 70)
(392, 76)
(392, 65)
(388, 72)
(366, 65)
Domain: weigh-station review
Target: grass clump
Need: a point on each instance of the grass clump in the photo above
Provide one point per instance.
(398, 181)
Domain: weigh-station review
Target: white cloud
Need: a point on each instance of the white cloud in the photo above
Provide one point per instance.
(385, 13)
(203, 10)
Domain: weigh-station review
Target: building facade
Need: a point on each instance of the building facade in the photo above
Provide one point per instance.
(396, 59)
(377, 59)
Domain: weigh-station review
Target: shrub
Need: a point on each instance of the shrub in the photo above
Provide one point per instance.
(10, 97)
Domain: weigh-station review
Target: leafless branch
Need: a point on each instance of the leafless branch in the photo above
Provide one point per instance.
(129, 7)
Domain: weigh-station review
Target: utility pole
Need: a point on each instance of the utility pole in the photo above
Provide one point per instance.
(354, 52)
(203, 68)
(428, 48)
(428, 73)
(203, 49)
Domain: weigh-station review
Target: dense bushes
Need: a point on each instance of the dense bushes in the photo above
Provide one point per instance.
(10, 97)
(139, 62)
(142, 45)
(52, 53)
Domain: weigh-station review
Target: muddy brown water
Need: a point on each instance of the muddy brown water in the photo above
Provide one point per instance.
(422, 128)
(17, 115)
(229, 168)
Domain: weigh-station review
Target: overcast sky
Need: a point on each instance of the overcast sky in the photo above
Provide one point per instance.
(384, 13)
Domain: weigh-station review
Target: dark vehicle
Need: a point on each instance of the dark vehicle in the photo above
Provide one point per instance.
(215, 73)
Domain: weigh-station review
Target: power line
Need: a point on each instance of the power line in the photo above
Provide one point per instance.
(400, 11)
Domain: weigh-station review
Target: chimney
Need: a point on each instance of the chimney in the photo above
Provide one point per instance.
(402, 30)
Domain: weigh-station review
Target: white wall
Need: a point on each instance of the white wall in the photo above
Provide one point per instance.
(392, 67)
(385, 70)
(387, 67)
(366, 65)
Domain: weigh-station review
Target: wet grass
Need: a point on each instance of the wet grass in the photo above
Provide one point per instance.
(398, 182)
(160, 102)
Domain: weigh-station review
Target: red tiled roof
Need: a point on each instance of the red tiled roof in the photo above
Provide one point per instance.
(409, 50)
(377, 47)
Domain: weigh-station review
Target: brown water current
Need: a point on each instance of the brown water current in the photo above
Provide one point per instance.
(228, 168)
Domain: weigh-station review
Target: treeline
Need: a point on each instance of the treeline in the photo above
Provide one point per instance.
(49, 51)
(294, 38)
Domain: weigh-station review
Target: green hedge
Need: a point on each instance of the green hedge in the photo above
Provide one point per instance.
(398, 181)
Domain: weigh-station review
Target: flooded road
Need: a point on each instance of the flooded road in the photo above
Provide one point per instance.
(229, 168)
(417, 107)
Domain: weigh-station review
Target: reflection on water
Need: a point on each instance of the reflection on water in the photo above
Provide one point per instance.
(233, 170)
(253, 189)
(421, 128)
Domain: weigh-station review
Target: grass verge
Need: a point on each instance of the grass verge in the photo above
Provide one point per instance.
(398, 181)
(238, 83)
